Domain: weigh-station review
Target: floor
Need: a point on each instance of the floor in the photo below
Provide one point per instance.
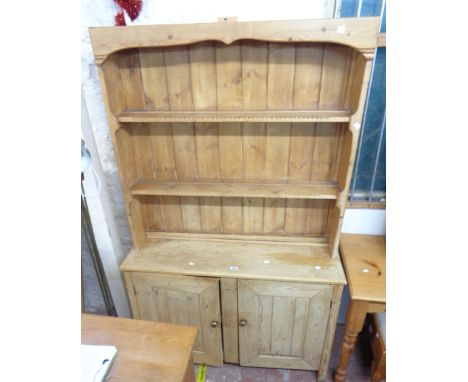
(358, 371)
(359, 367)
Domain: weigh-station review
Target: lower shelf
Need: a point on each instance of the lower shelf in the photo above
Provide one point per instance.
(236, 259)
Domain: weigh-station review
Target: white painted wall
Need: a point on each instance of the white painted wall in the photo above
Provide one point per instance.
(103, 219)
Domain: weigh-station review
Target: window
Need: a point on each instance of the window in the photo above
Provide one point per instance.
(368, 183)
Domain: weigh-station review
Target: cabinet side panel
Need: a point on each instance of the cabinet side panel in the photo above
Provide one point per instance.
(319, 309)
(330, 334)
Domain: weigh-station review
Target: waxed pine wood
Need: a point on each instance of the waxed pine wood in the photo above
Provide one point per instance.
(235, 144)
(182, 300)
(285, 323)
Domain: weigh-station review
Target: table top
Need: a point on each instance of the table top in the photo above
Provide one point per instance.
(147, 351)
(364, 261)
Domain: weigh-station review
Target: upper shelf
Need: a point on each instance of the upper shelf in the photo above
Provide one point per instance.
(236, 116)
(259, 190)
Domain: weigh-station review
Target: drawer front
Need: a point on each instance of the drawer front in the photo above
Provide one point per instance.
(282, 324)
(181, 300)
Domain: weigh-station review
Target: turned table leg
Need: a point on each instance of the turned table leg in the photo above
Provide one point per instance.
(355, 317)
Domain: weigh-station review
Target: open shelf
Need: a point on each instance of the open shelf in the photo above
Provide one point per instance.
(236, 116)
(258, 190)
(236, 259)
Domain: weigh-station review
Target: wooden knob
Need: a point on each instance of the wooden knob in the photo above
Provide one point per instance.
(214, 324)
(243, 323)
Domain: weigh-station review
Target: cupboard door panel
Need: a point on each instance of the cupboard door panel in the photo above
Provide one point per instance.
(281, 324)
(183, 300)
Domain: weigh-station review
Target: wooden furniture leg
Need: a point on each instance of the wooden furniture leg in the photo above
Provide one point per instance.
(378, 369)
(355, 317)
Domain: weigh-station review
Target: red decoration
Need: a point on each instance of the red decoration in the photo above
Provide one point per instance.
(131, 7)
(120, 19)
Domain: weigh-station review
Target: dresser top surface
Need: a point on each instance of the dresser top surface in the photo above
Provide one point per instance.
(237, 259)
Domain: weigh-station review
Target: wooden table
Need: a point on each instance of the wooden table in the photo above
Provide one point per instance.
(364, 260)
(147, 351)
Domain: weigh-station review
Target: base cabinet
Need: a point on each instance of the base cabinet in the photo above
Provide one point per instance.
(261, 323)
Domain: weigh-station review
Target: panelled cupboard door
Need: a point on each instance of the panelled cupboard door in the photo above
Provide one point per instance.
(183, 300)
(282, 324)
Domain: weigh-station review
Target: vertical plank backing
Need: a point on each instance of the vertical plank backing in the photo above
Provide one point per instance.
(301, 148)
(207, 143)
(253, 151)
(184, 151)
(191, 216)
(207, 148)
(230, 151)
(307, 78)
(142, 151)
(277, 151)
(178, 78)
(229, 76)
(296, 214)
(152, 212)
(232, 215)
(254, 75)
(254, 97)
(273, 216)
(229, 96)
(186, 168)
(153, 74)
(230, 320)
(336, 60)
(252, 215)
(171, 213)
(163, 151)
(130, 73)
(280, 96)
(211, 215)
(281, 59)
(165, 169)
(180, 90)
(203, 75)
(317, 217)
(326, 139)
